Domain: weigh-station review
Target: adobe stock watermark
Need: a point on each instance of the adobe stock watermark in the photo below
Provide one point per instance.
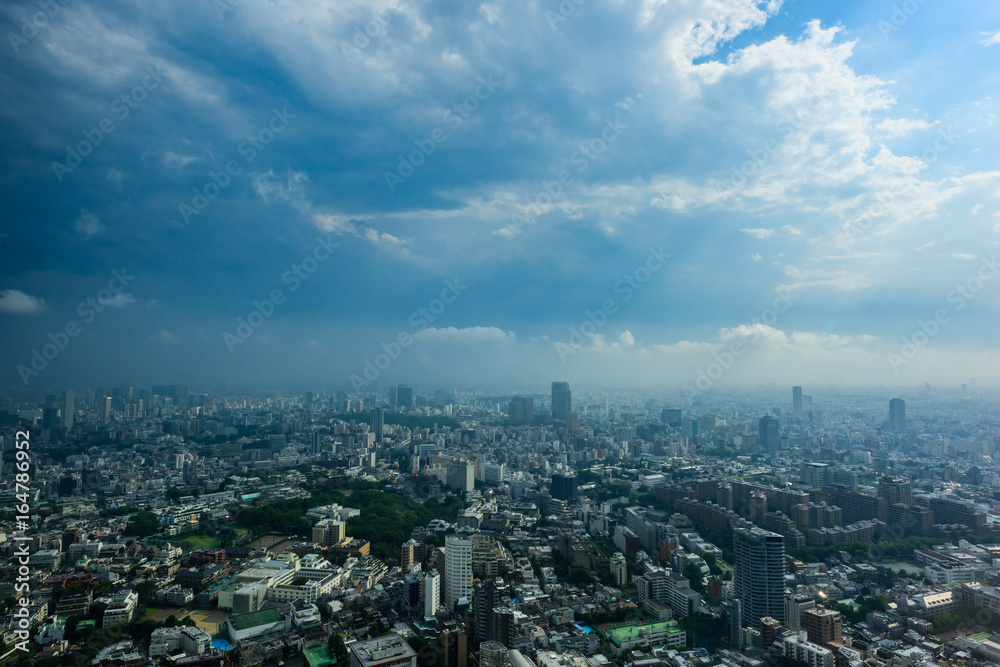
(581, 158)
(899, 15)
(566, 9)
(248, 149)
(121, 107)
(942, 144)
(708, 376)
(786, 126)
(455, 117)
(419, 319)
(30, 25)
(628, 287)
(375, 27)
(294, 277)
(87, 310)
(925, 331)
(223, 7)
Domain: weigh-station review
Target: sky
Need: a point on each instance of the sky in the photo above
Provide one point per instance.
(701, 193)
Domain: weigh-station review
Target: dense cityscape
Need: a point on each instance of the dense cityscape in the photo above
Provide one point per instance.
(424, 527)
(499, 333)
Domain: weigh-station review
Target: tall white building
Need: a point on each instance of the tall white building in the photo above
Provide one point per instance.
(457, 570)
(432, 593)
(493, 473)
(619, 569)
(68, 409)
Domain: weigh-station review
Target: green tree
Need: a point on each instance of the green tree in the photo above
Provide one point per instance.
(143, 524)
(695, 577)
(337, 648)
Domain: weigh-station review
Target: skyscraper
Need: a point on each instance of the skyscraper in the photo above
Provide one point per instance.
(461, 475)
(897, 414)
(760, 574)
(432, 593)
(767, 435)
(482, 611)
(457, 570)
(377, 422)
(734, 617)
(105, 410)
(563, 487)
(796, 400)
(562, 401)
(404, 396)
(522, 410)
(895, 490)
(619, 569)
(794, 606)
(66, 419)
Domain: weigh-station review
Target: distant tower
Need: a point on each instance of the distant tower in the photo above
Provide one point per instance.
(562, 401)
(796, 400)
(105, 410)
(66, 420)
(404, 396)
(377, 423)
(522, 410)
(767, 435)
(897, 414)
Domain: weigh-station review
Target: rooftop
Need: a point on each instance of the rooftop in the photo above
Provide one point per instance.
(630, 631)
(375, 651)
(253, 619)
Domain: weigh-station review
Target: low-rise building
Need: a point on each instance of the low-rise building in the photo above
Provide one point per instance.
(626, 636)
(121, 608)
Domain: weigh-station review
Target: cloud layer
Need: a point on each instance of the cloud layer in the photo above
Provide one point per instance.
(532, 153)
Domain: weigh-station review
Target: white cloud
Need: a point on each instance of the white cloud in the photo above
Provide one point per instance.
(16, 301)
(384, 239)
(626, 338)
(288, 188)
(174, 161)
(119, 300)
(838, 280)
(991, 39)
(898, 127)
(466, 336)
(758, 233)
(164, 336)
(88, 224)
(338, 223)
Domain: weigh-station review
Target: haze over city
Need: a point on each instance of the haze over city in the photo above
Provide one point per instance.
(499, 333)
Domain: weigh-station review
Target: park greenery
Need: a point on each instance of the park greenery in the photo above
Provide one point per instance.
(386, 519)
